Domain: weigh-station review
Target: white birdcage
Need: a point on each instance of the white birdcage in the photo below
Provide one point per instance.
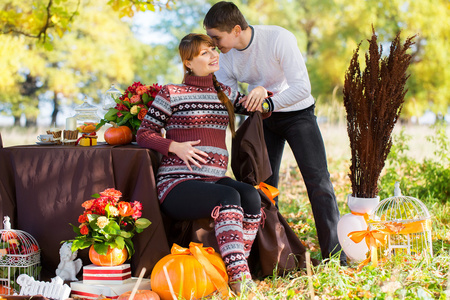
(19, 254)
(407, 224)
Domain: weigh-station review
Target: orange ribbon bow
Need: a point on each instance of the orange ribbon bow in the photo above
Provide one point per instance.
(375, 237)
(211, 267)
(270, 191)
(365, 215)
(372, 237)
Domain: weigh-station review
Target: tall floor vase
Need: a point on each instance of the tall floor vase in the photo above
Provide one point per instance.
(355, 221)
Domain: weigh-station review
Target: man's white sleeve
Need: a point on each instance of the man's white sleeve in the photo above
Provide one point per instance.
(225, 74)
(294, 68)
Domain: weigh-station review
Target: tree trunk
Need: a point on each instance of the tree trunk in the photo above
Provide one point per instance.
(16, 121)
(55, 107)
(30, 122)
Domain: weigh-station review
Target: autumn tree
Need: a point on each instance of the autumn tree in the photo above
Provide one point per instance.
(46, 19)
(99, 50)
(327, 32)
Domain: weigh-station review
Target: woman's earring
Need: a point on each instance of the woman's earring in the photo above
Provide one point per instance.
(188, 71)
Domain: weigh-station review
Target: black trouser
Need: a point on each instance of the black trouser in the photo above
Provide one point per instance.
(301, 131)
(194, 199)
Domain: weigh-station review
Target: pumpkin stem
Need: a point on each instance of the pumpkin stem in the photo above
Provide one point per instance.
(114, 124)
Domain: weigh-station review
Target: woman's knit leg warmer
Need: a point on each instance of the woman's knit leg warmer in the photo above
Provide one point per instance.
(250, 227)
(229, 234)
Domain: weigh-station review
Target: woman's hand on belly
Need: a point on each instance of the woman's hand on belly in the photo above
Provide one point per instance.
(188, 153)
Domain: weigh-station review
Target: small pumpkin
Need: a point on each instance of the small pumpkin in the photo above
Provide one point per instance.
(4, 290)
(118, 135)
(140, 295)
(188, 276)
(113, 257)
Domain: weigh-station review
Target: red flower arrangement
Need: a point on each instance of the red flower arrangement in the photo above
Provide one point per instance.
(108, 222)
(132, 106)
(10, 243)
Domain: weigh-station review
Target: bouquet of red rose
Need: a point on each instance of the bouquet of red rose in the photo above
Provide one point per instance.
(11, 243)
(132, 106)
(108, 222)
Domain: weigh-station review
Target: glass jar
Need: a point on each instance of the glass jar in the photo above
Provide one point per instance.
(87, 118)
(110, 96)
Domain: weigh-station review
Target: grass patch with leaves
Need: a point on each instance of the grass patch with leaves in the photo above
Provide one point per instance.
(402, 277)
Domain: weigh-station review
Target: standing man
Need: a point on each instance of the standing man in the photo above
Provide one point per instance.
(268, 56)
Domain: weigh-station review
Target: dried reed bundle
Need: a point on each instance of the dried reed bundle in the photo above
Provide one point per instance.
(373, 101)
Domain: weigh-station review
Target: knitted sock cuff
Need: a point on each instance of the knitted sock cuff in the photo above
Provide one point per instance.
(220, 212)
(232, 207)
(251, 222)
(251, 217)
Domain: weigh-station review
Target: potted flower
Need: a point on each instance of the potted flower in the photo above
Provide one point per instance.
(132, 106)
(373, 100)
(107, 226)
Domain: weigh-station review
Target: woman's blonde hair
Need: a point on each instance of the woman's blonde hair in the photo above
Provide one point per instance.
(190, 47)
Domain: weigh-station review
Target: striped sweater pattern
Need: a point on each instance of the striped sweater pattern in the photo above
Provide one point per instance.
(188, 112)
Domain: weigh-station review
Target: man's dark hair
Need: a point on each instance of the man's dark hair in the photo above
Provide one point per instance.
(224, 16)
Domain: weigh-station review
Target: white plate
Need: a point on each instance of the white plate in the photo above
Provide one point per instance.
(46, 143)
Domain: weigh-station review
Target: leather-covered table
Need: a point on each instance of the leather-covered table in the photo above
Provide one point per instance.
(42, 189)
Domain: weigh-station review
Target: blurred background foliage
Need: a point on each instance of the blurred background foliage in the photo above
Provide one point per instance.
(62, 51)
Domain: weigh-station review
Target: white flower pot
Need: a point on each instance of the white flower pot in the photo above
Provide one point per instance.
(362, 205)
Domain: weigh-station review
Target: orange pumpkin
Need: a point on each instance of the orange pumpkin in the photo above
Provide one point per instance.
(187, 274)
(4, 290)
(140, 295)
(113, 257)
(118, 135)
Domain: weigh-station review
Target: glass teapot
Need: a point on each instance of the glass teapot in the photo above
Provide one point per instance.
(87, 118)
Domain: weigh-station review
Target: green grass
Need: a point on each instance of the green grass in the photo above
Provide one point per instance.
(403, 277)
(419, 159)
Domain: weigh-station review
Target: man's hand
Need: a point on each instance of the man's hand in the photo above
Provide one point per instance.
(253, 101)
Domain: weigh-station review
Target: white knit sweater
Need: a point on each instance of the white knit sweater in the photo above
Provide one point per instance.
(272, 60)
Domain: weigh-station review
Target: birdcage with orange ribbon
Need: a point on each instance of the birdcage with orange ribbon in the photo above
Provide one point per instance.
(404, 224)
